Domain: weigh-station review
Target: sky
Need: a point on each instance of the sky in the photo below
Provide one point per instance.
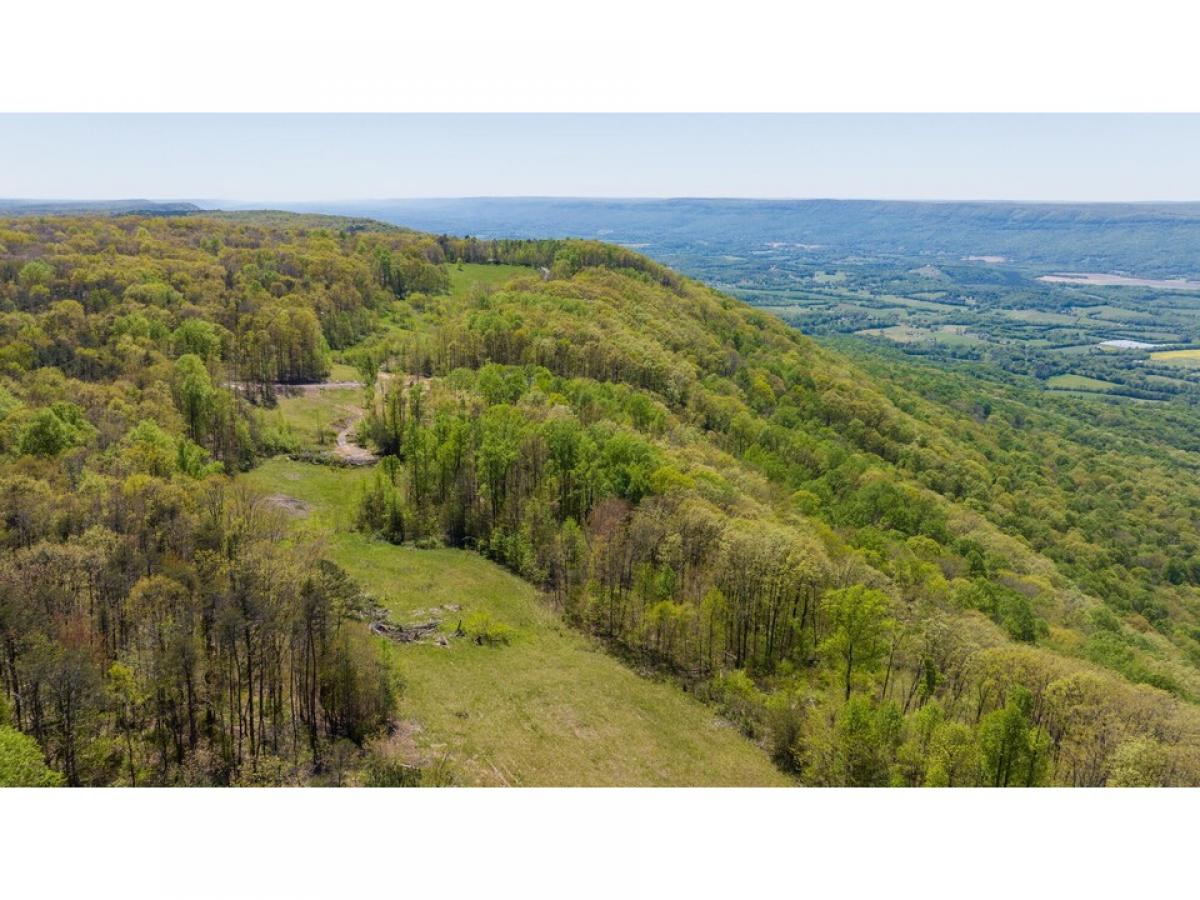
(260, 157)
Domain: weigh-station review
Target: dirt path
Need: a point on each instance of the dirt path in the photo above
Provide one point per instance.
(315, 386)
(347, 449)
(306, 388)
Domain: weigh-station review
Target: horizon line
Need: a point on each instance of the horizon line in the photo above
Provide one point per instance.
(604, 198)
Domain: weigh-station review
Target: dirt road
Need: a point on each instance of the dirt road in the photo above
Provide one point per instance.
(347, 449)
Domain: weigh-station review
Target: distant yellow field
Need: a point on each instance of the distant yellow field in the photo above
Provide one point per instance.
(1185, 357)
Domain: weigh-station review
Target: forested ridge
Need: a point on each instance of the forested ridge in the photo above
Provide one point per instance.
(155, 628)
(885, 576)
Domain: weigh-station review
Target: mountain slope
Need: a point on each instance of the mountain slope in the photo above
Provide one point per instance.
(884, 577)
(549, 707)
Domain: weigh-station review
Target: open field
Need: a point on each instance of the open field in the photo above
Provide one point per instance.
(312, 417)
(899, 333)
(1115, 314)
(949, 335)
(1187, 358)
(912, 303)
(1078, 383)
(1038, 317)
(467, 274)
(550, 708)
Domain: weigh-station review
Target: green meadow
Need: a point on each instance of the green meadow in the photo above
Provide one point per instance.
(549, 708)
(1078, 383)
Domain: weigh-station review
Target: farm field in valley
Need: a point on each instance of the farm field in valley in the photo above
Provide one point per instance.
(1188, 358)
(1078, 383)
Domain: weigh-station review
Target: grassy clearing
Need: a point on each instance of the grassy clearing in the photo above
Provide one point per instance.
(912, 303)
(550, 708)
(1188, 358)
(1038, 317)
(1074, 382)
(950, 335)
(311, 417)
(343, 372)
(1170, 382)
(955, 336)
(1117, 314)
(1074, 349)
(468, 274)
(903, 334)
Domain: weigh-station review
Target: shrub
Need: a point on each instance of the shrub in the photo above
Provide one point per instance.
(483, 628)
(21, 763)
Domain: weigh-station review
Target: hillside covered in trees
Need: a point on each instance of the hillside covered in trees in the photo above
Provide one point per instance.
(878, 575)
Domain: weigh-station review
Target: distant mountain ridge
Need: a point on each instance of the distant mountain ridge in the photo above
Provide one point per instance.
(25, 207)
(1147, 238)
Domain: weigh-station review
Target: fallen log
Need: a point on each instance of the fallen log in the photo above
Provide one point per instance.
(403, 634)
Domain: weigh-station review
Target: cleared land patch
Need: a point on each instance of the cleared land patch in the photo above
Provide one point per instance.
(1116, 314)
(1187, 358)
(1079, 383)
(551, 707)
(464, 276)
(954, 335)
(1039, 317)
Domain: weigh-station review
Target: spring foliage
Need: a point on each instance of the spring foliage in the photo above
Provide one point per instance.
(878, 586)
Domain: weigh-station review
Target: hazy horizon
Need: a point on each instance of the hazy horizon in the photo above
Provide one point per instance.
(266, 159)
(250, 203)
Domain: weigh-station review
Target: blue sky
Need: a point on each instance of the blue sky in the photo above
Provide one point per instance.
(253, 157)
